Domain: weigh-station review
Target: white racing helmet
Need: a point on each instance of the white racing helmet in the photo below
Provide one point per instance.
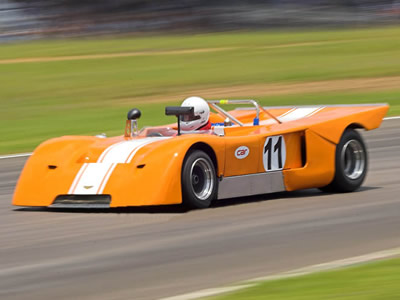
(201, 114)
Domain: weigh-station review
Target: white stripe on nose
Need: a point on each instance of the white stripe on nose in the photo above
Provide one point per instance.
(93, 177)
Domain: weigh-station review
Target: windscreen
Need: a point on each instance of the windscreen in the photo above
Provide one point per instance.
(187, 118)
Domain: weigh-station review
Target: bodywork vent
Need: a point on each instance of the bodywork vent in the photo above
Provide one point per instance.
(82, 201)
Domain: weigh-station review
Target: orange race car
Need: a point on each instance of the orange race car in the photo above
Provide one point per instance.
(245, 151)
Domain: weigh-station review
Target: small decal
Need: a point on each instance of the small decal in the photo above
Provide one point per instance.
(88, 186)
(242, 152)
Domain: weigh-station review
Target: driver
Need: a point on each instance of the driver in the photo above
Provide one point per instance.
(200, 121)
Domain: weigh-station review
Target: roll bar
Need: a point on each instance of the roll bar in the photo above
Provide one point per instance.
(214, 104)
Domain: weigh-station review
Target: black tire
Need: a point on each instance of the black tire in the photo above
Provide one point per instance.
(199, 180)
(351, 163)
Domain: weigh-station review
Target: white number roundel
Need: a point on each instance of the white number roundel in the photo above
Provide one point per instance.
(274, 153)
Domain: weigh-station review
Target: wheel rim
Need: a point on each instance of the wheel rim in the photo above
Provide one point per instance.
(353, 159)
(201, 178)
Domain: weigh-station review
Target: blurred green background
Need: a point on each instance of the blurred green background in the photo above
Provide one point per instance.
(86, 86)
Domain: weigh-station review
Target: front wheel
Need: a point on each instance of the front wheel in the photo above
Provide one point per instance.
(351, 163)
(199, 180)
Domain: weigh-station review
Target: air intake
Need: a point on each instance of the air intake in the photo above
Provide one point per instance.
(82, 201)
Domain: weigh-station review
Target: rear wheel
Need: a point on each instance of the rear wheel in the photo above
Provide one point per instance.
(199, 180)
(351, 163)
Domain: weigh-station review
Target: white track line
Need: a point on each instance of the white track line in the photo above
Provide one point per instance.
(209, 292)
(30, 153)
(298, 272)
(15, 155)
(391, 118)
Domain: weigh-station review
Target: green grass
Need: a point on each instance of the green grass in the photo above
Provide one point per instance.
(374, 281)
(46, 99)
(84, 46)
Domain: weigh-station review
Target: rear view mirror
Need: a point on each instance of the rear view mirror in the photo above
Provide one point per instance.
(179, 111)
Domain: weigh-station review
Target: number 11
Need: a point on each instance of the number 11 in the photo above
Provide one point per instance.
(277, 148)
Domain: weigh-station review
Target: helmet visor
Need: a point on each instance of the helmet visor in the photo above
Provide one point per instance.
(187, 118)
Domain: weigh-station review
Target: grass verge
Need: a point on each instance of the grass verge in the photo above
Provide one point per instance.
(373, 281)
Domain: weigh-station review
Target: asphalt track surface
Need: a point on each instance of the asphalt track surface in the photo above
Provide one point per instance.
(155, 253)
